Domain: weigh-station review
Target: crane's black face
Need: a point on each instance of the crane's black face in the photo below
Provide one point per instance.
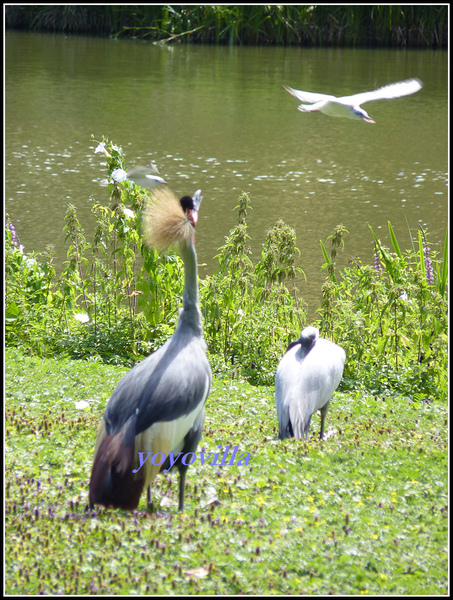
(186, 203)
(189, 209)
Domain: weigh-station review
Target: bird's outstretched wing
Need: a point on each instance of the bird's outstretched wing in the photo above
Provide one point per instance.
(309, 97)
(393, 90)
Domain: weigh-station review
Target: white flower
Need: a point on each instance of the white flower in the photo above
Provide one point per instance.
(119, 175)
(128, 212)
(81, 405)
(100, 148)
(82, 317)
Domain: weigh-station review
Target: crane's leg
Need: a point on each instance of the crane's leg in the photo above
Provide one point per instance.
(323, 411)
(182, 485)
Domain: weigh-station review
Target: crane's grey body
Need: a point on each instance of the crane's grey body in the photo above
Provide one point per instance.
(154, 390)
(349, 106)
(306, 378)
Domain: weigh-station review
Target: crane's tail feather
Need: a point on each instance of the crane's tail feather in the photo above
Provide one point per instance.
(125, 463)
(112, 482)
(287, 430)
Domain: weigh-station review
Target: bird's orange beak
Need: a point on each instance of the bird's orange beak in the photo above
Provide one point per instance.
(368, 120)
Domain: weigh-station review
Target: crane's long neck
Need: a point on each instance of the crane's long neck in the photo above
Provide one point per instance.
(191, 308)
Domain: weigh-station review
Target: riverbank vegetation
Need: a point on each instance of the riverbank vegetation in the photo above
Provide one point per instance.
(116, 301)
(362, 512)
(396, 26)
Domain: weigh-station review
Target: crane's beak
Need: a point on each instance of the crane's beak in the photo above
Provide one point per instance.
(369, 120)
(192, 215)
(196, 201)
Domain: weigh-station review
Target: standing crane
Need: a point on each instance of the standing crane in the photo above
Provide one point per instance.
(158, 406)
(307, 376)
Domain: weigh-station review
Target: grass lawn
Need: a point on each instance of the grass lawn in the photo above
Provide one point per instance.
(363, 512)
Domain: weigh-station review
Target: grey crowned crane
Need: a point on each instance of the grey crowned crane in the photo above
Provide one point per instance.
(158, 406)
(349, 106)
(307, 376)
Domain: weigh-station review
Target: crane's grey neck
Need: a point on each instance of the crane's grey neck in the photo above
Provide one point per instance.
(190, 313)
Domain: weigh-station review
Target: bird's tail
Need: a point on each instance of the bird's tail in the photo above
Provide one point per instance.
(112, 481)
(118, 476)
(164, 222)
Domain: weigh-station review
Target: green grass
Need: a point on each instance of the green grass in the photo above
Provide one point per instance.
(363, 512)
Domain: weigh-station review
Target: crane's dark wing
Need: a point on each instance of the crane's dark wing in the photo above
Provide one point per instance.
(165, 386)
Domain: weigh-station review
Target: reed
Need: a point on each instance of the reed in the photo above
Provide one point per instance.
(419, 26)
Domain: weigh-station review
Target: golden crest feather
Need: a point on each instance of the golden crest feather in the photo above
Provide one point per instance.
(164, 222)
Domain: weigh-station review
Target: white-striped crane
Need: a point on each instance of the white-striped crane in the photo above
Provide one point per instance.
(307, 376)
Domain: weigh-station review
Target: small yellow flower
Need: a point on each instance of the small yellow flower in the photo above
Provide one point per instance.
(311, 499)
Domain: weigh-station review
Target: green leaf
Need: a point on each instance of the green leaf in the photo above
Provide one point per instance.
(394, 242)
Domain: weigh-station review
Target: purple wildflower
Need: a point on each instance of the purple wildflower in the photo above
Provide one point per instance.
(428, 265)
(377, 264)
(13, 234)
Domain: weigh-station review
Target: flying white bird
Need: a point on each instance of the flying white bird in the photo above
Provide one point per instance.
(349, 106)
(146, 177)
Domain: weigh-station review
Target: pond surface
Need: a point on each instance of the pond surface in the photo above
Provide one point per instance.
(219, 119)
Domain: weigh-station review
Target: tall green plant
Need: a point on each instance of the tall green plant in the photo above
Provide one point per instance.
(392, 320)
(249, 313)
